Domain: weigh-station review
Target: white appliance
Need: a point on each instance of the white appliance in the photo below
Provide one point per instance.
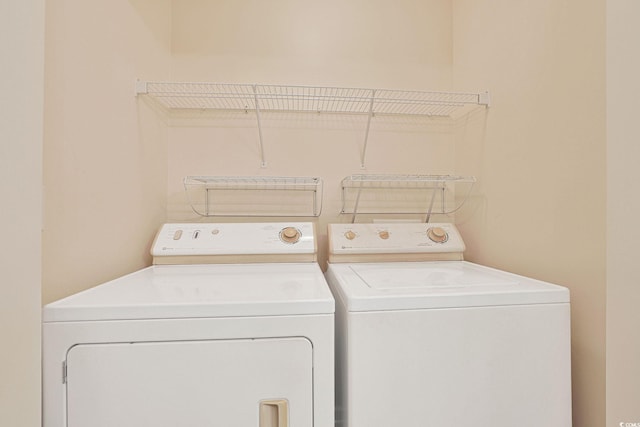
(424, 338)
(194, 344)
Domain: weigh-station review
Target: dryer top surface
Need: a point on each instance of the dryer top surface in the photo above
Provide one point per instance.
(196, 291)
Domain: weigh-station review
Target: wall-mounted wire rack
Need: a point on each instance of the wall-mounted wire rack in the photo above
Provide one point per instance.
(254, 196)
(404, 194)
(316, 99)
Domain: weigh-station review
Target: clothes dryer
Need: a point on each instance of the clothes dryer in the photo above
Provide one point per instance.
(425, 338)
(232, 326)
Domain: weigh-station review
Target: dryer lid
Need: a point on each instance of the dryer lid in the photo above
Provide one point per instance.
(436, 284)
(189, 291)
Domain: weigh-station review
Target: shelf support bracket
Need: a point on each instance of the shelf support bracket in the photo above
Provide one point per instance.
(484, 98)
(141, 88)
(366, 132)
(260, 141)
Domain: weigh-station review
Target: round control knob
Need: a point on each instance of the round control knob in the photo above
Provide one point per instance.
(290, 235)
(384, 235)
(350, 235)
(437, 234)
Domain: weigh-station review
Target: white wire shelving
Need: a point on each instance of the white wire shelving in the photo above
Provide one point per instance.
(404, 194)
(316, 99)
(254, 195)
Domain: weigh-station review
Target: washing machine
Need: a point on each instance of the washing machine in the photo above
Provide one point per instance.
(233, 325)
(426, 339)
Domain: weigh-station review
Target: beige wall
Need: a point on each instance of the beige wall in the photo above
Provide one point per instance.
(623, 209)
(105, 152)
(22, 51)
(107, 162)
(541, 163)
(539, 154)
(362, 43)
(113, 169)
(331, 43)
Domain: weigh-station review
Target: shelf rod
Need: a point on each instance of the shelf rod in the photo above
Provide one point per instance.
(355, 205)
(366, 132)
(315, 203)
(433, 199)
(206, 202)
(255, 96)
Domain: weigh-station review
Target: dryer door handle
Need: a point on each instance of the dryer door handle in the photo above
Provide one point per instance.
(274, 413)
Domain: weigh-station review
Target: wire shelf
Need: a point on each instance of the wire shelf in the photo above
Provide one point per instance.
(317, 99)
(403, 194)
(254, 195)
(246, 97)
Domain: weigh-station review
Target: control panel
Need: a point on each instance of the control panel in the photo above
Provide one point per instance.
(394, 238)
(208, 239)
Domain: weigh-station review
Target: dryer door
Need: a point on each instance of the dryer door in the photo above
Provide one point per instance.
(261, 382)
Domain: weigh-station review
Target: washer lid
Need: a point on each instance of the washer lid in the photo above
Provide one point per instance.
(188, 291)
(437, 284)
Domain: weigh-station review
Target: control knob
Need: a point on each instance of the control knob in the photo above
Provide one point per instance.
(290, 235)
(437, 235)
(350, 235)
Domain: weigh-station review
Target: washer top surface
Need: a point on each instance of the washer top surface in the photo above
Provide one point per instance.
(435, 284)
(192, 291)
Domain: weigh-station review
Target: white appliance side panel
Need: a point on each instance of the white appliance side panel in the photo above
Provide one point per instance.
(486, 366)
(192, 383)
